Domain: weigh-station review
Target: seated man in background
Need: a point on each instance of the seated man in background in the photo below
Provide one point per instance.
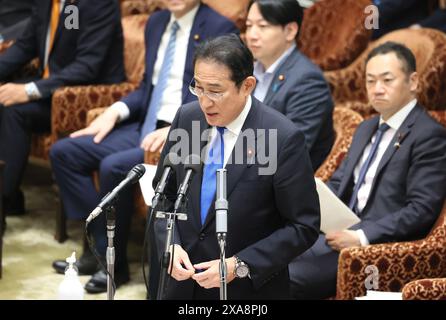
(393, 176)
(117, 139)
(286, 79)
(89, 54)
(14, 16)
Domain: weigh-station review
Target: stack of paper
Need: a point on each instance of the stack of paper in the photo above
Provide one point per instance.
(381, 295)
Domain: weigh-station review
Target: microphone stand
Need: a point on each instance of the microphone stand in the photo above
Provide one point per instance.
(221, 219)
(110, 254)
(165, 259)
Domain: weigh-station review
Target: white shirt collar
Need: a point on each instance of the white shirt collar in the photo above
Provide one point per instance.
(186, 21)
(236, 125)
(260, 70)
(398, 118)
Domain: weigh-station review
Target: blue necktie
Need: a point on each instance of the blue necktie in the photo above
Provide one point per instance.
(213, 162)
(365, 167)
(157, 93)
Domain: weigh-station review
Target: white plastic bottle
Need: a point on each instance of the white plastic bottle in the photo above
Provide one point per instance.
(71, 288)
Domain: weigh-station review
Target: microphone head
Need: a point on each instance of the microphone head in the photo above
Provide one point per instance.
(136, 173)
(192, 162)
(171, 160)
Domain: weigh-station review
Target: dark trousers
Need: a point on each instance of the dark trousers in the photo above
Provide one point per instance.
(313, 273)
(16, 125)
(73, 162)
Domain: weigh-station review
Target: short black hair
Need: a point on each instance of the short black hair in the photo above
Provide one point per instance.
(280, 12)
(230, 51)
(402, 52)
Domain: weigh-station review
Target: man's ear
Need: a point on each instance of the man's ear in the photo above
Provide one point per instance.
(414, 80)
(249, 84)
(291, 30)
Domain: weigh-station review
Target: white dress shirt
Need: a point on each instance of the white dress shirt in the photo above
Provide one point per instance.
(394, 123)
(231, 133)
(265, 77)
(172, 95)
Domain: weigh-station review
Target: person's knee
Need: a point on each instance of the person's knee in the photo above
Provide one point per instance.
(63, 152)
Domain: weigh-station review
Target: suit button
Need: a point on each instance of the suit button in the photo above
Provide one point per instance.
(202, 236)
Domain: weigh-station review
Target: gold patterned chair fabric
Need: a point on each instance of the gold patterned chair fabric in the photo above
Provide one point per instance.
(132, 7)
(345, 122)
(425, 289)
(334, 32)
(398, 263)
(429, 48)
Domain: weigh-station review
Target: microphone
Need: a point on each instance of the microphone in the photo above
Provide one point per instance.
(192, 164)
(168, 163)
(221, 204)
(134, 175)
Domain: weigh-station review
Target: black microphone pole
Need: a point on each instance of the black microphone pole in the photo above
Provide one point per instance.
(221, 228)
(107, 205)
(192, 164)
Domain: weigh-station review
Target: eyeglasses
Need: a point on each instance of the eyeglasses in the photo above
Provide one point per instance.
(214, 96)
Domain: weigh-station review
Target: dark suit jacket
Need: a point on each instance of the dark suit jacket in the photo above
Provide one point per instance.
(397, 14)
(304, 97)
(271, 218)
(14, 16)
(409, 188)
(207, 23)
(436, 20)
(91, 54)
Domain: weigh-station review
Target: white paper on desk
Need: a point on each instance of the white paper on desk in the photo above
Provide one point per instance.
(335, 215)
(145, 183)
(381, 295)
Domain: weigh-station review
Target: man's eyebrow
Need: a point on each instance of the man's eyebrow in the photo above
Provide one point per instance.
(387, 73)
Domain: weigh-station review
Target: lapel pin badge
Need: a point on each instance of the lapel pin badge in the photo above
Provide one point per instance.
(281, 77)
(398, 142)
(196, 37)
(251, 154)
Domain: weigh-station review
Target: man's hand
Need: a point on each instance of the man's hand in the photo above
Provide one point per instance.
(210, 276)
(182, 267)
(100, 126)
(343, 239)
(155, 140)
(13, 93)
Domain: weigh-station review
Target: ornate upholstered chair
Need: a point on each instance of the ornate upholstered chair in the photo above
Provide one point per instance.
(425, 289)
(398, 263)
(334, 33)
(429, 47)
(345, 122)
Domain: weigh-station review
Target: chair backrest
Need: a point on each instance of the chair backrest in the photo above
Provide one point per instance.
(429, 48)
(334, 33)
(345, 122)
(234, 10)
(134, 47)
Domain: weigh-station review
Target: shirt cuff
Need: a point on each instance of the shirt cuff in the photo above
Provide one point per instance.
(32, 91)
(123, 110)
(362, 238)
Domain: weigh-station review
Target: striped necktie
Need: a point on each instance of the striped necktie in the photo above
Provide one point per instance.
(157, 93)
(54, 22)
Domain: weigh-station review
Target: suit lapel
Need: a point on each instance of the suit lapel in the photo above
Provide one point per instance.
(234, 170)
(280, 76)
(195, 36)
(153, 43)
(195, 194)
(356, 151)
(399, 136)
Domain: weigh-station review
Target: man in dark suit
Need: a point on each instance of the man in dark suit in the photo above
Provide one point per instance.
(286, 79)
(117, 139)
(273, 214)
(393, 177)
(89, 54)
(14, 16)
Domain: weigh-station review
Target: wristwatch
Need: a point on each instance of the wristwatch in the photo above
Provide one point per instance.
(241, 268)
